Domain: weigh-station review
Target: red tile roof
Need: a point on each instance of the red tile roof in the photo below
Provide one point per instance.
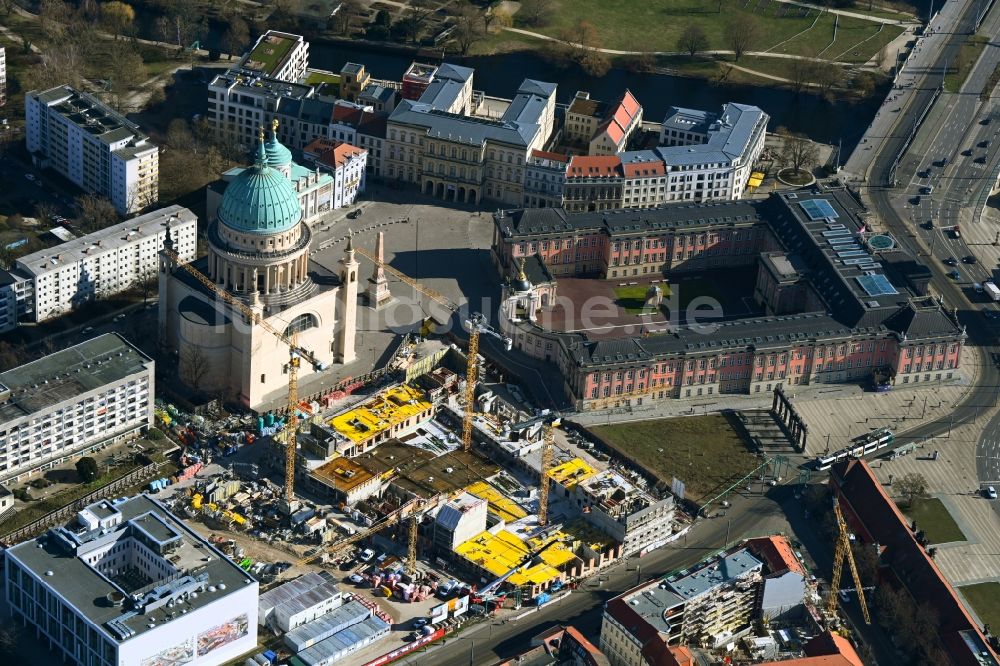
(546, 155)
(777, 554)
(613, 130)
(582, 166)
(875, 518)
(622, 117)
(630, 103)
(644, 169)
(330, 153)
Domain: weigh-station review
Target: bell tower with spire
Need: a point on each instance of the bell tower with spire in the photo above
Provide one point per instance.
(348, 304)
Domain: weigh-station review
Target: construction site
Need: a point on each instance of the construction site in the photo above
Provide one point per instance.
(437, 497)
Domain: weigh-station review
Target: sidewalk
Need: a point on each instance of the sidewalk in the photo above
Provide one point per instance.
(834, 412)
(917, 64)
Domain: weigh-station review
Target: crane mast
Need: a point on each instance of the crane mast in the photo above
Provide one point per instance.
(295, 351)
(471, 372)
(546, 465)
(843, 551)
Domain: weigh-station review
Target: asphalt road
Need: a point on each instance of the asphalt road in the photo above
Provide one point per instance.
(960, 131)
(583, 608)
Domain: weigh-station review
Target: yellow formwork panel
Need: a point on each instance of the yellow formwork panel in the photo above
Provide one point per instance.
(571, 472)
(504, 507)
(499, 553)
(384, 411)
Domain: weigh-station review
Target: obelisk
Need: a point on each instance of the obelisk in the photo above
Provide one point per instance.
(377, 293)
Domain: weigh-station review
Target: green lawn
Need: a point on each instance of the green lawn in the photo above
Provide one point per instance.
(269, 54)
(857, 40)
(968, 54)
(315, 78)
(985, 600)
(633, 297)
(655, 25)
(705, 452)
(933, 518)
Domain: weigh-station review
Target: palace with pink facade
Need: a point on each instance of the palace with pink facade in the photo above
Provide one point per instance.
(826, 300)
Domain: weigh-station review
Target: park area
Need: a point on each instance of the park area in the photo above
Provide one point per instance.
(933, 518)
(779, 27)
(985, 600)
(707, 452)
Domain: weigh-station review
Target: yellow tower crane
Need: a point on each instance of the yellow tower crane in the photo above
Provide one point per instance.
(844, 551)
(296, 353)
(476, 324)
(546, 465)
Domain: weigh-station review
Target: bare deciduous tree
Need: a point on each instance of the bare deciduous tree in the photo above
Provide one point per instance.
(693, 40)
(467, 27)
(912, 487)
(236, 37)
(742, 34)
(193, 367)
(536, 12)
(95, 212)
(801, 73)
(591, 59)
(147, 282)
(798, 152)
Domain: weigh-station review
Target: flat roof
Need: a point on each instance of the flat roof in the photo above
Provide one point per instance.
(499, 504)
(572, 472)
(106, 240)
(270, 52)
(499, 553)
(253, 83)
(87, 590)
(68, 373)
(343, 474)
(90, 114)
(651, 603)
(714, 573)
(387, 409)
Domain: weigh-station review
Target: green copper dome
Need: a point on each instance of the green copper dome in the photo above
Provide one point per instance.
(277, 154)
(260, 200)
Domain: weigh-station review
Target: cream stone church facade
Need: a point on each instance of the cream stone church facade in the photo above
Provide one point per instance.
(259, 253)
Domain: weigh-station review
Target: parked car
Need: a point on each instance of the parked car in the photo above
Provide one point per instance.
(969, 259)
(950, 261)
(927, 189)
(354, 214)
(88, 329)
(30, 176)
(355, 578)
(954, 274)
(419, 622)
(990, 492)
(366, 555)
(120, 317)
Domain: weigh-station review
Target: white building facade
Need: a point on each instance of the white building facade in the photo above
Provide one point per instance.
(96, 148)
(3, 76)
(347, 165)
(68, 403)
(279, 55)
(75, 586)
(100, 264)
